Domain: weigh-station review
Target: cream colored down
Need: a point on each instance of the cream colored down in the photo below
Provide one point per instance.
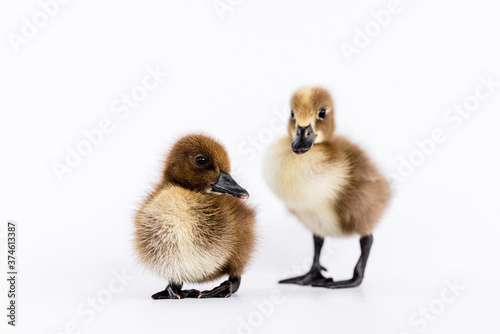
(174, 253)
(308, 184)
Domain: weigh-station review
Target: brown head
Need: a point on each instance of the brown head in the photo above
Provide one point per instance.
(200, 163)
(311, 118)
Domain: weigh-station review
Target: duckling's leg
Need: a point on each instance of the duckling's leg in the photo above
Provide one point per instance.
(314, 275)
(359, 271)
(225, 290)
(173, 291)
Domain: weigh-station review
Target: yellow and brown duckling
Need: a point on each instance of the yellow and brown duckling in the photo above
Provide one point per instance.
(327, 182)
(195, 227)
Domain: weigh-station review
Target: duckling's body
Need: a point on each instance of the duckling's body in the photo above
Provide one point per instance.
(308, 184)
(329, 183)
(334, 189)
(187, 236)
(190, 232)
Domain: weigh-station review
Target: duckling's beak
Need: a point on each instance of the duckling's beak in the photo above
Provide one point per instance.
(303, 140)
(226, 185)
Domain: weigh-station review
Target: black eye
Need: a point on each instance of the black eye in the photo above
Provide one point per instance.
(200, 160)
(292, 114)
(322, 113)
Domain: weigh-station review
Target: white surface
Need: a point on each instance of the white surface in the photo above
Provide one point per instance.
(226, 78)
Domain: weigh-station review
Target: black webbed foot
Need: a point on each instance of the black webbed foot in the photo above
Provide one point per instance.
(224, 290)
(351, 283)
(316, 279)
(313, 278)
(173, 291)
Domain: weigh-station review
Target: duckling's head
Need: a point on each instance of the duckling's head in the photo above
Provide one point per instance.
(311, 118)
(200, 163)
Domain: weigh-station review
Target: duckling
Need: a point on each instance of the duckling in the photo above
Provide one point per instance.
(326, 181)
(194, 227)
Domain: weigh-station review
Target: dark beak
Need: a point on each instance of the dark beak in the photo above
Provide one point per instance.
(226, 185)
(303, 140)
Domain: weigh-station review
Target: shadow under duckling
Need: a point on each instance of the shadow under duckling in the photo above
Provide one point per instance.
(195, 227)
(327, 182)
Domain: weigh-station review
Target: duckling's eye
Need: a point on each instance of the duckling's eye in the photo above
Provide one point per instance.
(322, 113)
(292, 115)
(200, 160)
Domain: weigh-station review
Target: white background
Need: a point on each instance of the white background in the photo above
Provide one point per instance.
(227, 78)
